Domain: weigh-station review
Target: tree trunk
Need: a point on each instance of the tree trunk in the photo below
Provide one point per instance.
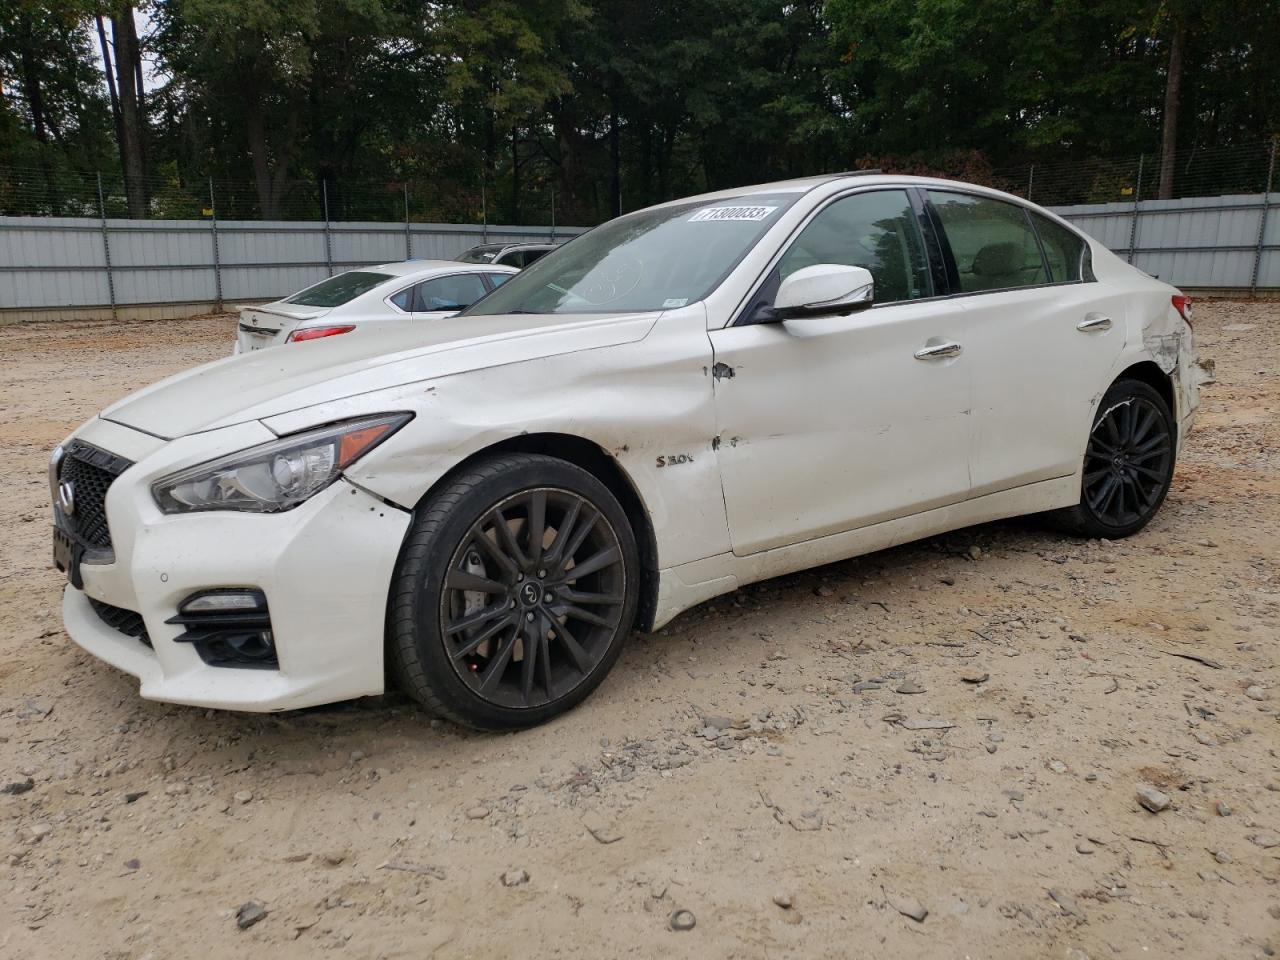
(646, 163)
(487, 161)
(135, 54)
(615, 154)
(34, 92)
(1172, 101)
(515, 174)
(268, 200)
(109, 70)
(131, 161)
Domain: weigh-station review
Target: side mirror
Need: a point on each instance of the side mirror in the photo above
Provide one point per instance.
(824, 289)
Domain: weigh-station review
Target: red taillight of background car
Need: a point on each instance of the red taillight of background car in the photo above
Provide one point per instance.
(1183, 306)
(315, 333)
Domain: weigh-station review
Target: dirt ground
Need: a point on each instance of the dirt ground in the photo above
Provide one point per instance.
(958, 725)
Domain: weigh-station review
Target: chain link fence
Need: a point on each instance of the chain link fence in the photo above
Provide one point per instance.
(1194, 172)
(35, 192)
(25, 191)
(73, 243)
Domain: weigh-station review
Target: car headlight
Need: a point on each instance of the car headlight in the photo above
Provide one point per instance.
(278, 475)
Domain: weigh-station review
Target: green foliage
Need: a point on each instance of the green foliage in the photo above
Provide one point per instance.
(494, 106)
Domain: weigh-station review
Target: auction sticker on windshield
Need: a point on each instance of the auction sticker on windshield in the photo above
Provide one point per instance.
(750, 214)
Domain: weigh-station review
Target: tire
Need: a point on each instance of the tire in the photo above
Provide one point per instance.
(473, 591)
(1128, 464)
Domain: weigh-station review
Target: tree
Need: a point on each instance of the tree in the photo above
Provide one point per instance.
(52, 113)
(493, 106)
(128, 108)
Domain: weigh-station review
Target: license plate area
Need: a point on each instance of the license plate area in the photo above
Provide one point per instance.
(67, 555)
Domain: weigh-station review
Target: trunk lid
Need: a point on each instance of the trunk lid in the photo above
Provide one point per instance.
(271, 324)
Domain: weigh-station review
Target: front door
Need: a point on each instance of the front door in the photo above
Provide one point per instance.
(830, 423)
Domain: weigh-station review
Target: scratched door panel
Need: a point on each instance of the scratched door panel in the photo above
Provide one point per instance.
(832, 423)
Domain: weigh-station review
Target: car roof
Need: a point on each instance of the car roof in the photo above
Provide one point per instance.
(846, 178)
(426, 268)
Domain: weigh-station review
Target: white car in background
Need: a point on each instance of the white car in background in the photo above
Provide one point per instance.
(680, 402)
(370, 296)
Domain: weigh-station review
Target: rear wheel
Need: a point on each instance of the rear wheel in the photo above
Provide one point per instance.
(1128, 464)
(515, 591)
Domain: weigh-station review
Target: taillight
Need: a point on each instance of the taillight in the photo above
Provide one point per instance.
(1183, 306)
(315, 333)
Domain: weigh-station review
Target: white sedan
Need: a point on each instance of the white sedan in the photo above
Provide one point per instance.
(682, 401)
(405, 291)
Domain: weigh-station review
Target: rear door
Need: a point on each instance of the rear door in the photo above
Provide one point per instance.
(1042, 334)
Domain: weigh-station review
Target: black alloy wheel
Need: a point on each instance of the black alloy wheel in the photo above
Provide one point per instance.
(1128, 463)
(516, 587)
(533, 597)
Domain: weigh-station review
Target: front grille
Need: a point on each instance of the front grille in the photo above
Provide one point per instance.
(118, 618)
(90, 472)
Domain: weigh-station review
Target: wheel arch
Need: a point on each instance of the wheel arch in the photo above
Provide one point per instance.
(1148, 372)
(594, 459)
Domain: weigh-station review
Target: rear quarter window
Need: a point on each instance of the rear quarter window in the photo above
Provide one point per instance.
(1062, 248)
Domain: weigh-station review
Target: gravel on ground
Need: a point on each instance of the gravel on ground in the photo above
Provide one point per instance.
(996, 743)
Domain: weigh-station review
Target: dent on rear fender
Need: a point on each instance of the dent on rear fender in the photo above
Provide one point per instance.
(1163, 347)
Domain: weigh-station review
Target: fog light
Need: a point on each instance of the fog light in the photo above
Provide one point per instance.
(229, 627)
(225, 601)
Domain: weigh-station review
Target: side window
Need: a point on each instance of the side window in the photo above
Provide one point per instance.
(498, 279)
(512, 258)
(532, 255)
(1063, 249)
(448, 293)
(992, 241)
(876, 230)
(404, 299)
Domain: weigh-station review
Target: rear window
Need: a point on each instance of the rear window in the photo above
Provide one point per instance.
(338, 290)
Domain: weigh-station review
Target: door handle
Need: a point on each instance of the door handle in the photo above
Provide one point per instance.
(1094, 321)
(939, 351)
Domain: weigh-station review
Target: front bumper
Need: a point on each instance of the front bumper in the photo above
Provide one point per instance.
(324, 566)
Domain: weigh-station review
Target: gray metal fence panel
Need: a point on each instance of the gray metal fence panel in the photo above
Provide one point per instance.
(60, 263)
(1207, 242)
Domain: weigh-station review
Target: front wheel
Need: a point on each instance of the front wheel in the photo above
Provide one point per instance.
(1128, 464)
(515, 590)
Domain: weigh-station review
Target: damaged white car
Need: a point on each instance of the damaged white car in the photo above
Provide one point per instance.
(684, 400)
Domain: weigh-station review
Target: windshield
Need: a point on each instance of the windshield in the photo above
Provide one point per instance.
(483, 254)
(338, 290)
(651, 260)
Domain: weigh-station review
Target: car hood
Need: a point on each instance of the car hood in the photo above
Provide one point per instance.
(267, 383)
